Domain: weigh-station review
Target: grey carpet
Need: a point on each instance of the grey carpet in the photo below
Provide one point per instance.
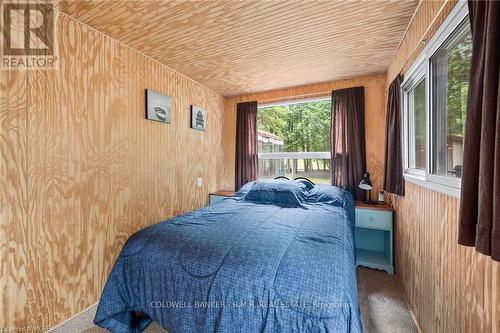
(383, 309)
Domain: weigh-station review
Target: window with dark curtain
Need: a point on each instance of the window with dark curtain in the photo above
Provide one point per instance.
(246, 143)
(347, 137)
(393, 161)
(480, 192)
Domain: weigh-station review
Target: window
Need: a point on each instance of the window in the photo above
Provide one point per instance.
(293, 140)
(417, 131)
(450, 67)
(435, 106)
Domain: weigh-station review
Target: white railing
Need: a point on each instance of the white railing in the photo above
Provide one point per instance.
(294, 156)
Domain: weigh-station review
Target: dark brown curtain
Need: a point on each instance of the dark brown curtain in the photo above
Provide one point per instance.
(393, 159)
(246, 143)
(347, 138)
(480, 197)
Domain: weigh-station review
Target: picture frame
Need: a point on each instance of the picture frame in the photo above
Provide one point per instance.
(158, 106)
(198, 118)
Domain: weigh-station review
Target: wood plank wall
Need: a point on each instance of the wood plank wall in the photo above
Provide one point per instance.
(374, 119)
(450, 288)
(81, 170)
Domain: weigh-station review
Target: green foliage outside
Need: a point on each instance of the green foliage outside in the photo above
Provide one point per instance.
(304, 127)
(459, 61)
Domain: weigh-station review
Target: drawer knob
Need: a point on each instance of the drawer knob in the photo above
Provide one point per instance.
(371, 218)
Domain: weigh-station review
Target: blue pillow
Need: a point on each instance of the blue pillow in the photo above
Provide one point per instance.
(330, 195)
(282, 193)
(244, 189)
(309, 185)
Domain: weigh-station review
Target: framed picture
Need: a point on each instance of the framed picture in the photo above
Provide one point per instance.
(198, 118)
(158, 106)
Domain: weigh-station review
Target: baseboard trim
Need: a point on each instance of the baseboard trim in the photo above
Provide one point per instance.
(73, 317)
(408, 306)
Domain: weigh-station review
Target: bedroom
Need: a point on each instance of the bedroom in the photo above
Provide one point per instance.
(118, 115)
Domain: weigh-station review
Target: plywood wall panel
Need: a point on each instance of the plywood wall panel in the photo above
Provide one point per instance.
(450, 288)
(238, 47)
(85, 169)
(13, 192)
(424, 24)
(374, 119)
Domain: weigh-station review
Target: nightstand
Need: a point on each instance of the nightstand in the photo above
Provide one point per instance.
(373, 236)
(219, 195)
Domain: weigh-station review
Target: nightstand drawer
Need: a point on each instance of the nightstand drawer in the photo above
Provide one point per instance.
(369, 218)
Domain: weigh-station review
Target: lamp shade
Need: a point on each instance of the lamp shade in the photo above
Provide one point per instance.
(366, 183)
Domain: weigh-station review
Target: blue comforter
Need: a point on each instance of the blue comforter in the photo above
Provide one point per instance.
(238, 266)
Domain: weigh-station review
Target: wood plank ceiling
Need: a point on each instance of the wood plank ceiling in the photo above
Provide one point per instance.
(237, 47)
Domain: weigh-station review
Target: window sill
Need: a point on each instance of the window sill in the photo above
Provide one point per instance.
(422, 181)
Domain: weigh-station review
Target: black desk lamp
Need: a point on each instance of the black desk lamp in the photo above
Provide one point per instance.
(366, 184)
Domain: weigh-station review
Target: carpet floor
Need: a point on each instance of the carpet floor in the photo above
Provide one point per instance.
(383, 309)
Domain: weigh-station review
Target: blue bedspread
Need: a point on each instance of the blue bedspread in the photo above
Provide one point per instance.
(238, 266)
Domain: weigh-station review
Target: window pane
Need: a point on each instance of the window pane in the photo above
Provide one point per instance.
(417, 133)
(300, 127)
(450, 77)
(272, 168)
(297, 127)
(317, 170)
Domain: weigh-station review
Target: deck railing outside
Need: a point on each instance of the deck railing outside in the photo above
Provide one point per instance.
(312, 165)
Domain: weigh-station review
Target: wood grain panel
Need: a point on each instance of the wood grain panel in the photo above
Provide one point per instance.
(374, 119)
(425, 22)
(238, 47)
(82, 169)
(13, 192)
(450, 288)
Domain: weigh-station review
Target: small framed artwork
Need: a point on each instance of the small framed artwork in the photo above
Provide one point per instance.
(158, 106)
(198, 118)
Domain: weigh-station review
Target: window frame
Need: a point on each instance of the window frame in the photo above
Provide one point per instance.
(319, 98)
(422, 69)
(417, 75)
(294, 156)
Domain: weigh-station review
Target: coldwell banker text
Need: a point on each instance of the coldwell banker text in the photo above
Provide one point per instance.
(28, 36)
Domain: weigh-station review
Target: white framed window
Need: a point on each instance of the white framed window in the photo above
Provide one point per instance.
(434, 107)
(415, 122)
(291, 139)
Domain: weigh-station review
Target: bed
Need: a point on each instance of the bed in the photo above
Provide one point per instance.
(245, 264)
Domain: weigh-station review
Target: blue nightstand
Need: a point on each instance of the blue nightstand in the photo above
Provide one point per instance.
(215, 197)
(373, 235)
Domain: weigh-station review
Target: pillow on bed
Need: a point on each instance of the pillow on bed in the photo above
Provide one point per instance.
(244, 189)
(282, 193)
(331, 195)
(309, 185)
